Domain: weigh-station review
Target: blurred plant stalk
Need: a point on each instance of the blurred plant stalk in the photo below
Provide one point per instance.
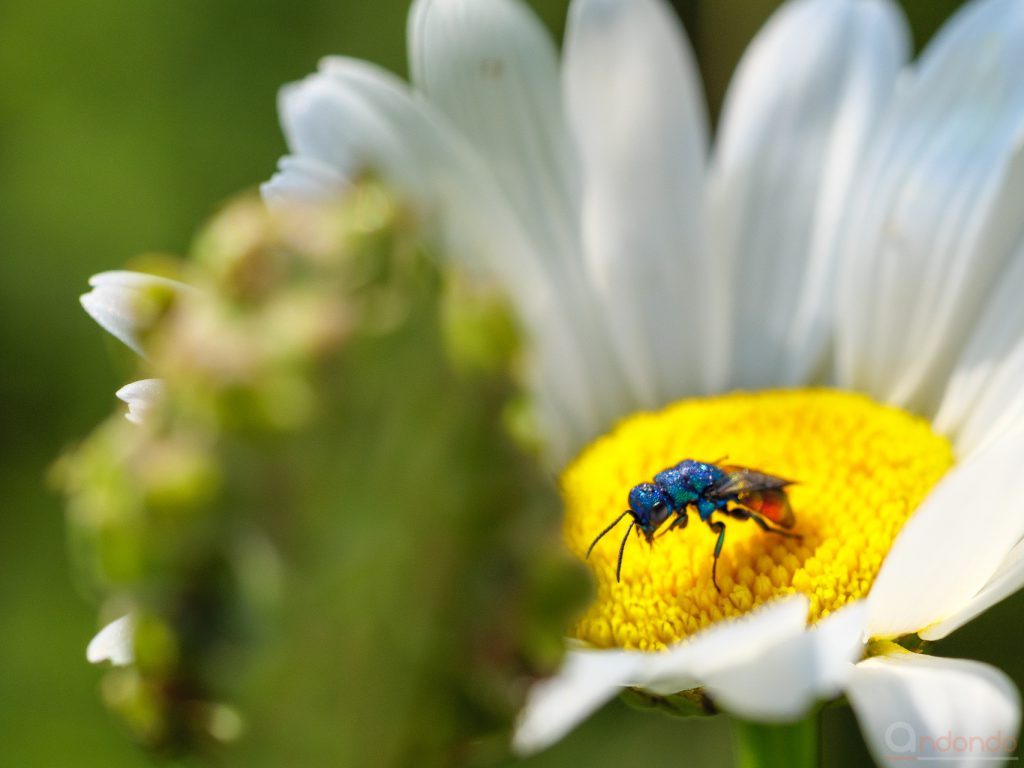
(333, 550)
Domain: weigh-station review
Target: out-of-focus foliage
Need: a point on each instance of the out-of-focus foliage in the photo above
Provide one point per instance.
(333, 552)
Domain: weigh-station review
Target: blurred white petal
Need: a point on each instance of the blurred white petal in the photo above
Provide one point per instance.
(936, 211)
(636, 110)
(491, 68)
(354, 118)
(803, 104)
(836, 642)
(764, 666)
(301, 178)
(1007, 579)
(953, 544)
(113, 643)
(126, 304)
(907, 702)
(723, 646)
(777, 679)
(359, 118)
(142, 398)
(333, 128)
(588, 679)
(985, 398)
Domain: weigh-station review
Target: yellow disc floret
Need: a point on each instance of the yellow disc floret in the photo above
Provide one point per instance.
(859, 468)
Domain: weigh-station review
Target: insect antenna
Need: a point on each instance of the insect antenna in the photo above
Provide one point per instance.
(622, 548)
(602, 533)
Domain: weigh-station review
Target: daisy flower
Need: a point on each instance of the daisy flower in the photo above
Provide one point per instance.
(830, 293)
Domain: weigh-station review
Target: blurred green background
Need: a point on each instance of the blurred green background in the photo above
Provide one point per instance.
(122, 125)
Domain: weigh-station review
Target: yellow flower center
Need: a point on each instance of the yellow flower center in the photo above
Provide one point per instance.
(859, 468)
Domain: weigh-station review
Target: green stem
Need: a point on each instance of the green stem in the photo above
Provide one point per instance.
(791, 745)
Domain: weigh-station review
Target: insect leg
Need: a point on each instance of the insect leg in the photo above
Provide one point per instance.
(718, 527)
(622, 548)
(745, 514)
(680, 522)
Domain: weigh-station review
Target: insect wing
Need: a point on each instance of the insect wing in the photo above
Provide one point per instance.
(772, 504)
(742, 480)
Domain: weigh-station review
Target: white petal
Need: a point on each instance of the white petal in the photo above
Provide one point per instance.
(963, 713)
(952, 545)
(777, 679)
(339, 130)
(303, 178)
(353, 117)
(636, 110)
(126, 304)
(723, 646)
(113, 643)
(767, 666)
(934, 216)
(1009, 578)
(985, 398)
(491, 68)
(142, 398)
(837, 642)
(802, 106)
(587, 679)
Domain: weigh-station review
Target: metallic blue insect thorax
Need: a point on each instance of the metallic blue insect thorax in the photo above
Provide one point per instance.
(686, 483)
